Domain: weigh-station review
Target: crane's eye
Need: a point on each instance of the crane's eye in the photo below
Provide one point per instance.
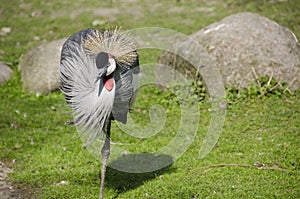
(101, 60)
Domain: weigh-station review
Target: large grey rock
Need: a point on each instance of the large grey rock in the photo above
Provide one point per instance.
(244, 44)
(5, 73)
(39, 67)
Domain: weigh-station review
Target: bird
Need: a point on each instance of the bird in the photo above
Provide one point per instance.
(97, 72)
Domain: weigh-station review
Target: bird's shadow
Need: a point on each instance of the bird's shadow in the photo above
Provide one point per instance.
(132, 170)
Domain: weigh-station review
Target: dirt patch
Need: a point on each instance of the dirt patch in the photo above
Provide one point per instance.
(6, 189)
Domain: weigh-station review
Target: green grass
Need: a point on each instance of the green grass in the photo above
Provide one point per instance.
(47, 151)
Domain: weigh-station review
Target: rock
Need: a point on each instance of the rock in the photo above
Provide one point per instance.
(5, 73)
(5, 30)
(39, 67)
(243, 44)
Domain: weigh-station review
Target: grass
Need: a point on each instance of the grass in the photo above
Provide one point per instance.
(49, 160)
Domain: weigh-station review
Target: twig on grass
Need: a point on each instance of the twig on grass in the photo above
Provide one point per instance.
(270, 79)
(287, 88)
(256, 165)
(255, 76)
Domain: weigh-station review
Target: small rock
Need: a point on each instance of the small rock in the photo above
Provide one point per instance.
(5, 30)
(5, 73)
(36, 38)
(63, 182)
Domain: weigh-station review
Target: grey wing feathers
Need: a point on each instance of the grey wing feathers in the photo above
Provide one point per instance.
(125, 90)
(71, 54)
(77, 75)
(124, 93)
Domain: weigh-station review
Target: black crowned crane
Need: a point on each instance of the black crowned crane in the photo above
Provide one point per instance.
(96, 72)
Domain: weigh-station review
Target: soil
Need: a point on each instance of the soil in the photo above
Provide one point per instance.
(7, 191)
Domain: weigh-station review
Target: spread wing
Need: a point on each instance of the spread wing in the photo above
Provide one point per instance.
(90, 103)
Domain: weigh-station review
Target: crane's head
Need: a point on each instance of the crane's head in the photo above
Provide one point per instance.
(106, 65)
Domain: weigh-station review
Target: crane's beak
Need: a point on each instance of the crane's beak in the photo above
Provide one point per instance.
(107, 70)
(100, 74)
(111, 66)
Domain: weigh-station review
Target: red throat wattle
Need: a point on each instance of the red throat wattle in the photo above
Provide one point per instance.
(108, 82)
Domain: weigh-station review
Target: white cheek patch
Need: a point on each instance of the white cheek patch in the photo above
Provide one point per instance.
(112, 66)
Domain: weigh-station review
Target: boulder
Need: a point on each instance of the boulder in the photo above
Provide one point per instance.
(39, 67)
(245, 46)
(5, 73)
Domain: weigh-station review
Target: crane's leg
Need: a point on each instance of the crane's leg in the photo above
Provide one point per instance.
(105, 155)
